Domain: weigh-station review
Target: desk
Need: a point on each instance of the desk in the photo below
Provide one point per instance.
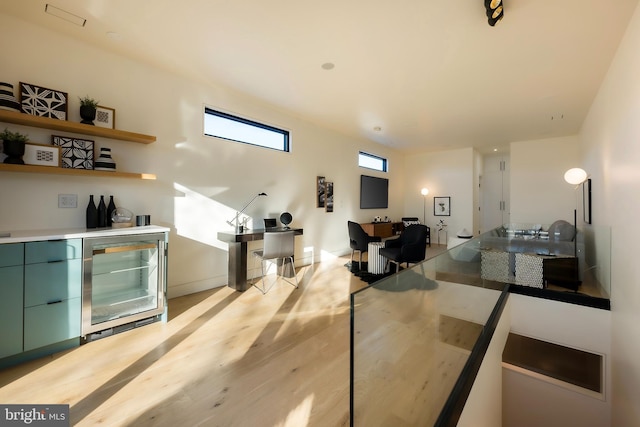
(238, 253)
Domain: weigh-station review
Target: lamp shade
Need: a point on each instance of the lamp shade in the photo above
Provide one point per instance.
(424, 191)
(575, 176)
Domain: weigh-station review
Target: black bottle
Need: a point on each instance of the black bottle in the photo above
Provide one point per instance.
(92, 214)
(102, 213)
(110, 209)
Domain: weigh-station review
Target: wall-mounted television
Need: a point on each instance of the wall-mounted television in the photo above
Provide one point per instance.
(374, 192)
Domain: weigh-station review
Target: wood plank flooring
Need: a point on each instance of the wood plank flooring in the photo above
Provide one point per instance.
(224, 358)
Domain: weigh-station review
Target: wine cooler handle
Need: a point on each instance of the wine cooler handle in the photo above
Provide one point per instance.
(116, 249)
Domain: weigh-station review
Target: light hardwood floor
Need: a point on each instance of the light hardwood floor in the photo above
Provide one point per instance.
(224, 358)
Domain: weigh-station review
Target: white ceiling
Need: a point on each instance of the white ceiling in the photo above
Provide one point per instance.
(431, 74)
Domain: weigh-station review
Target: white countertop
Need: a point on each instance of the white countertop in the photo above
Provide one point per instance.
(75, 233)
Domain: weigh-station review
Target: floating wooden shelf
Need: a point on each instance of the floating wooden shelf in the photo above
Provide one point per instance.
(73, 127)
(76, 172)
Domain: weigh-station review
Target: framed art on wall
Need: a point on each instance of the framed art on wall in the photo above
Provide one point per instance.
(41, 155)
(105, 117)
(320, 188)
(43, 102)
(76, 153)
(442, 206)
(329, 201)
(586, 200)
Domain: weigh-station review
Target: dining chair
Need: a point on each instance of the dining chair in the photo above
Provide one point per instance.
(279, 247)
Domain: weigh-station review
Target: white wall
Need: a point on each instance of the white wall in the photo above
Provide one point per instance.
(611, 155)
(201, 180)
(571, 325)
(539, 194)
(445, 173)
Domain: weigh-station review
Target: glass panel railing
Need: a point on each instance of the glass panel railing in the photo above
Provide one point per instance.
(555, 259)
(413, 333)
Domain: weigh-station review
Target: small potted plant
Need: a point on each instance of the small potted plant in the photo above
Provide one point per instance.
(13, 146)
(88, 110)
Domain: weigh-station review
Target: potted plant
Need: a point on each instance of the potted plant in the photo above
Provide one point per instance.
(13, 146)
(88, 110)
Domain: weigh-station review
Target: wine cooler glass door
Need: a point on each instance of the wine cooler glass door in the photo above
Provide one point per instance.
(125, 281)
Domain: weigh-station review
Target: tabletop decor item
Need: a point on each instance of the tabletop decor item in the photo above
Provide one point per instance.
(13, 145)
(76, 153)
(104, 162)
(8, 101)
(43, 102)
(105, 117)
(41, 155)
(88, 110)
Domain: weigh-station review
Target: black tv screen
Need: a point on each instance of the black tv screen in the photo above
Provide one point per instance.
(374, 192)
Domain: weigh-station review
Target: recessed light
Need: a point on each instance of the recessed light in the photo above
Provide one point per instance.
(328, 66)
(63, 14)
(495, 149)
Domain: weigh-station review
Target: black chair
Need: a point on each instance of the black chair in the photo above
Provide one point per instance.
(410, 220)
(270, 223)
(359, 240)
(409, 248)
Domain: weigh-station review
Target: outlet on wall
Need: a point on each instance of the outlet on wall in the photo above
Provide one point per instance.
(67, 200)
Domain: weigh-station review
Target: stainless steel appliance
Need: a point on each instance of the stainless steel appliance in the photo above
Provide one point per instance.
(124, 283)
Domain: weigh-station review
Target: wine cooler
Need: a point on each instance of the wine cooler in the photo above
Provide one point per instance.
(124, 283)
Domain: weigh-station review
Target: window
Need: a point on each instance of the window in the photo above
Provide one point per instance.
(369, 161)
(227, 126)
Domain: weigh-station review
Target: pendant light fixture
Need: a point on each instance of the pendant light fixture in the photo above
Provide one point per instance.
(495, 11)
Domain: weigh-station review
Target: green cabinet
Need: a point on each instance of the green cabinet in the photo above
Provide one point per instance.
(52, 291)
(40, 295)
(11, 298)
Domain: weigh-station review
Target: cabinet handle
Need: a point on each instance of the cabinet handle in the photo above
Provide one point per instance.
(117, 249)
(54, 302)
(56, 260)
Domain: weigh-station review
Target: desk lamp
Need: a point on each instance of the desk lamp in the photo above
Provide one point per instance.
(236, 220)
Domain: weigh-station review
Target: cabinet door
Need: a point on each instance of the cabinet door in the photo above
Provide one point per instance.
(53, 250)
(51, 282)
(51, 323)
(11, 310)
(11, 254)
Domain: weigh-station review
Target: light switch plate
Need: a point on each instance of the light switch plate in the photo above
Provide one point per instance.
(67, 200)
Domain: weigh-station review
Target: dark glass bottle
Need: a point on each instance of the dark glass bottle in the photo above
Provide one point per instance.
(102, 213)
(92, 213)
(110, 209)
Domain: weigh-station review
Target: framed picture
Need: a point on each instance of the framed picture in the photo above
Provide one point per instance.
(320, 187)
(442, 206)
(105, 117)
(43, 102)
(42, 155)
(329, 198)
(586, 200)
(75, 153)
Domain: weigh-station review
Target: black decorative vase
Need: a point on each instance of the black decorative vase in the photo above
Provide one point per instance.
(14, 151)
(92, 214)
(102, 213)
(110, 208)
(88, 114)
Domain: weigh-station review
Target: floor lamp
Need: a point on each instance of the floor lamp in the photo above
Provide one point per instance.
(424, 193)
(575, 176)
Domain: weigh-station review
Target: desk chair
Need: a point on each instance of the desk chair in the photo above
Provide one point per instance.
(270, 223)
(279, 246)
